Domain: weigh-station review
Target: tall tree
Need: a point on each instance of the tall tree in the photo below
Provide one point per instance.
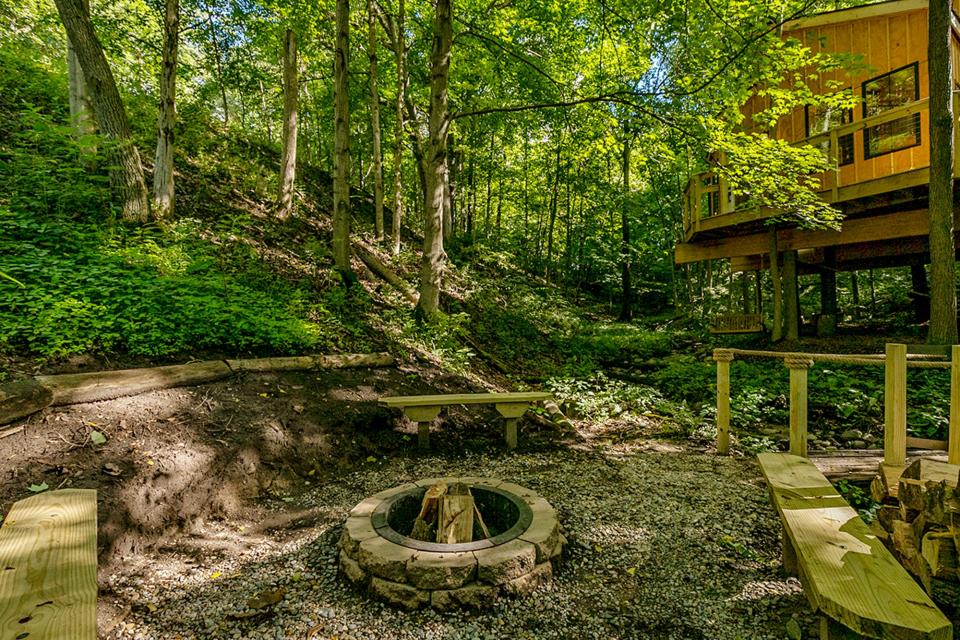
(163, 191)
(943, 287)
(626, 295)
(81, 112)
(401, 55)
(375, 117)
(127, 176)
(291, 93)
(341, 168)
(434, 258)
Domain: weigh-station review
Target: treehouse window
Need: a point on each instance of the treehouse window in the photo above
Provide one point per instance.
(889, 91)
(821, 120)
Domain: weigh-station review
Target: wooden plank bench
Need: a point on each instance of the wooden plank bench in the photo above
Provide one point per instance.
(847, 573)
(423, 409)
(48, 567)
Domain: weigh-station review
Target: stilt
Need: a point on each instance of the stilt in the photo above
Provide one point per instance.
(920, 293)
(827, 323)
(777, 331)
(790, 294)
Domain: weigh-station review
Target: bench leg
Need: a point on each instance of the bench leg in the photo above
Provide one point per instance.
(423, 435)
(790, 563)
(832, 630)
(510, 432)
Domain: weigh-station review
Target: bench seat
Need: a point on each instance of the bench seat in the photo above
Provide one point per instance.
(847, 573)
(423, 409)
(48, 567)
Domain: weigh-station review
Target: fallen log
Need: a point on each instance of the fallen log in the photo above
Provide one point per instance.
(23, 397)
(20, 398)
(370, 259)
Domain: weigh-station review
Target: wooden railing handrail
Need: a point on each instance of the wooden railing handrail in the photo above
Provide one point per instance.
(697, 188)
(895, 361)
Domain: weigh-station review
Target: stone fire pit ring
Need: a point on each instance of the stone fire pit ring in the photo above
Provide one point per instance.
(376, 555)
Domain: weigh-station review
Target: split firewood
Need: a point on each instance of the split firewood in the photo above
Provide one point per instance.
(940, 553)
(426, 520)
(455, 521)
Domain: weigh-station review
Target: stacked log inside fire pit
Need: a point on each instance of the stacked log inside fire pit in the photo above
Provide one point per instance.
(919, 521)
(447, 515)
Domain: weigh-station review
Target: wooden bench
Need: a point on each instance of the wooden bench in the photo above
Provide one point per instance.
(423, 409)
(48, 567)
(847, 573)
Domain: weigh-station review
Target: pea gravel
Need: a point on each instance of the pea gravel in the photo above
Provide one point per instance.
(675, 545)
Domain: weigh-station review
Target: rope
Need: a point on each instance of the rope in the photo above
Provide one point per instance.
(868, 359)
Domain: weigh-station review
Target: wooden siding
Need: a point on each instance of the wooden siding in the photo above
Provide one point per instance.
(886, 42)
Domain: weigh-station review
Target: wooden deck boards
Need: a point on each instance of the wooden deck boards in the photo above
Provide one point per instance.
(846, 571)
(48, 567)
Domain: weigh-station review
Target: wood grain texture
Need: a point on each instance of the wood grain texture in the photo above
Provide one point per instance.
(464, 398)
(846, 571)
(48, 567)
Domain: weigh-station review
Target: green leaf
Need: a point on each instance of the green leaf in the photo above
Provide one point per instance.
(97, 438)
(39, 488)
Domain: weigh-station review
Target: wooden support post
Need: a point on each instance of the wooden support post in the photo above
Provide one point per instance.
(835, 162)
(723, 357)
(777, 332)
(510, 432)
(511, 412)
(895, 405)
(423, 416)
(790, 294)
(953, 439)
(827, 324)
(790, 563)
(799, 366)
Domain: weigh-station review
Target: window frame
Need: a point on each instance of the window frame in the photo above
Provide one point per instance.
(915, 65)
(846, 136)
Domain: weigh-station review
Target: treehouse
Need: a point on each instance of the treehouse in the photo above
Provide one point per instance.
(879, 154)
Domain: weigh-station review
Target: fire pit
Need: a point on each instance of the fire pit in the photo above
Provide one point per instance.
(514, 540)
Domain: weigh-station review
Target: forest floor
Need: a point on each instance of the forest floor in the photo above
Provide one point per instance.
(214, 494)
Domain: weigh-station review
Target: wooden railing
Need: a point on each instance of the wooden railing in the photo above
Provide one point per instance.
(895, 362)
(708, 195)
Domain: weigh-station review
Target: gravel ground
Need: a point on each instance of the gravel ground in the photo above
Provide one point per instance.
(675, 545)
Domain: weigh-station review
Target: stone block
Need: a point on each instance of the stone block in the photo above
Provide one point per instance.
(476, 596)
(428, 570)
(365, 507)
(543, 533)
(526, 584)
(355, 531)
(401, 595)
(506, 561)
(385, 559)
(351, 568)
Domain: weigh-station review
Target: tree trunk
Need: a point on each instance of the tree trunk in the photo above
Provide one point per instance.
(449, 192)
(626, 299)
(81, 112)
(163, 191)
(401, 55)
(291, 93)
(919, 293)
(127, 176)
(434, 257)
(218, 66)
(341, 170)
(375, 117)
(943, 298)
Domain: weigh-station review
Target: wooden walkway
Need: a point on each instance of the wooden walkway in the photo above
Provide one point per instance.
(48, 567)
(861, 465)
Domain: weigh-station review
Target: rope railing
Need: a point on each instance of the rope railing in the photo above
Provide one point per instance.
(895, 361)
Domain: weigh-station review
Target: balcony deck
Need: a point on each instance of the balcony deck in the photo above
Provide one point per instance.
(713, 223)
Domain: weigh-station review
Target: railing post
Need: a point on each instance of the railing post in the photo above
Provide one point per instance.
(895, 405)
(799, 366)
(953, 439)
(723, 357)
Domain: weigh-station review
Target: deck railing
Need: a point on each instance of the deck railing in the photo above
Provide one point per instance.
(895, 361)
(707, 194)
